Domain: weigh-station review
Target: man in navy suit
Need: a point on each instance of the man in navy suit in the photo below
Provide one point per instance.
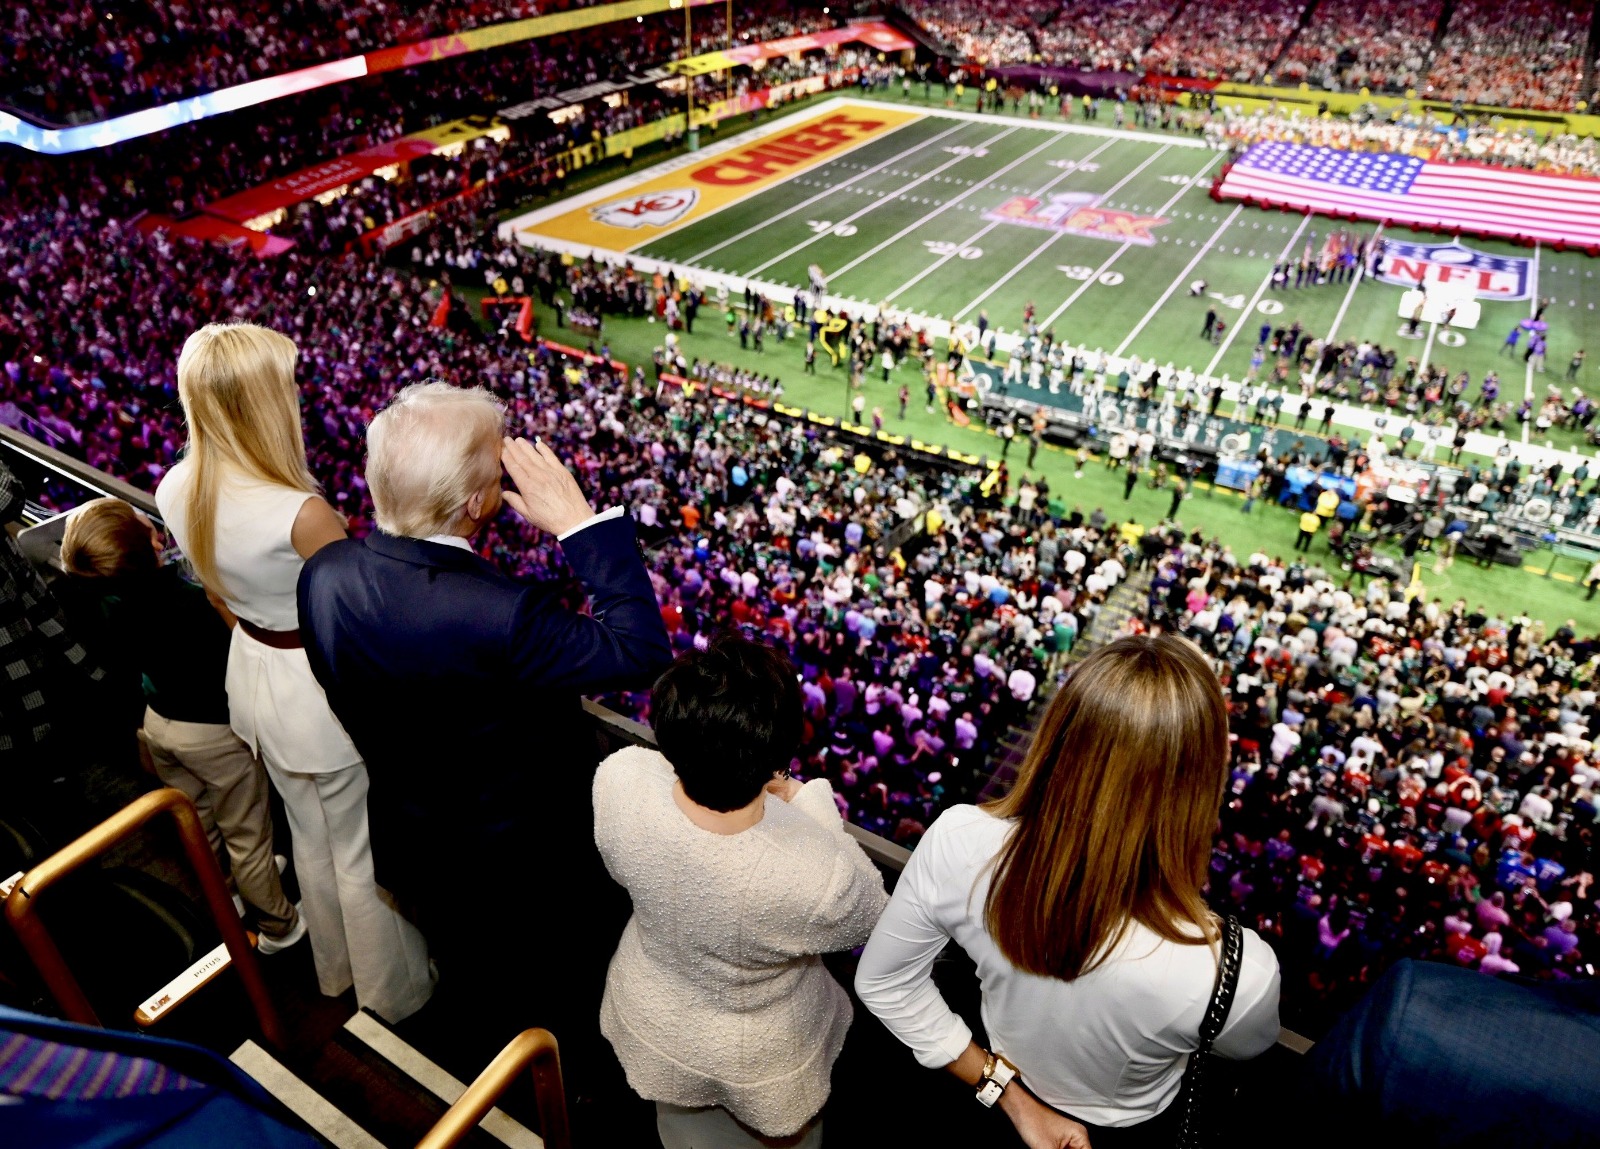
(461, 688)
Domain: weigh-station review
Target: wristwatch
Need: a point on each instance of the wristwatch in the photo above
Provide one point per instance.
(997, 1074)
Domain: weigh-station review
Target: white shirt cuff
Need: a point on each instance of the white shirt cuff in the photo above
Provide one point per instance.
(613, 513)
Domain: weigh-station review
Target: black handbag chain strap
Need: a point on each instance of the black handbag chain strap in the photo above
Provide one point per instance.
(1210, 1027)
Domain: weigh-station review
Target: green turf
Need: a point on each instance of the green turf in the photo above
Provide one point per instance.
(1106, 293)
(914, 235)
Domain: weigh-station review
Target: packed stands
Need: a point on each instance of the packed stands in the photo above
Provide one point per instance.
(1353, 44)
(75, 62)
(1518, 53)
(984, 33)
(1109, 36)
(1218, 40)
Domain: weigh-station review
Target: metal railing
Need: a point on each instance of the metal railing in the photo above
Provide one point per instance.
(23, 904)
(532, 1049)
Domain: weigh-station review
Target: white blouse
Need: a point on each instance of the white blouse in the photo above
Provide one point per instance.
(1108, 1047)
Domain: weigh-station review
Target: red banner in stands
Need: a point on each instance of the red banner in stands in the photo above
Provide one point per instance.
(207, 229)
(307, 183)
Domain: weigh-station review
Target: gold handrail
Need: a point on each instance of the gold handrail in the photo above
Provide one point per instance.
(535, 1048)
(21, 906)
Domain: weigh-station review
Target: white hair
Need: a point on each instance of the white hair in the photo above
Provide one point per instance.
(428, 452)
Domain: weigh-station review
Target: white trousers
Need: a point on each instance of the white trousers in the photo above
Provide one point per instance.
(357, 936)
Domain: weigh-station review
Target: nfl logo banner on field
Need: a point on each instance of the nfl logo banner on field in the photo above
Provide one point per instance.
(1419, 193)
(1456, 266)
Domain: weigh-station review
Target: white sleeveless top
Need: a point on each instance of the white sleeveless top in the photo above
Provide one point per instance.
(274, 701)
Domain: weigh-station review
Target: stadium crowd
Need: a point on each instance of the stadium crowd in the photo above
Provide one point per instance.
(1343, 48)
(1102, 37)
(75, 61)
(1411, 778)
(1218, 40)
(985, 33)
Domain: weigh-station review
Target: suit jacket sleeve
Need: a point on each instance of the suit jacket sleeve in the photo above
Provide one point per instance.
(622, 643)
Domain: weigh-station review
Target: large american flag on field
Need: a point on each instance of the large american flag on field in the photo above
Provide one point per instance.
(1409, 190)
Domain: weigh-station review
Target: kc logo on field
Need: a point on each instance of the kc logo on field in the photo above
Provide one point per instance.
(1487, 276)
(651, 209)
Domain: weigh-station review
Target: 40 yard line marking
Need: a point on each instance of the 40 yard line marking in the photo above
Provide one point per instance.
(1182, 275)
(1244, 316)
(1116, 255)
(877, 203)
(820, 196)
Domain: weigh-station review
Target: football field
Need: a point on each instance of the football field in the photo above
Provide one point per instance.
(947, 215)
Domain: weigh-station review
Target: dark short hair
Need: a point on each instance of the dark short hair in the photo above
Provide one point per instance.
(728, 718)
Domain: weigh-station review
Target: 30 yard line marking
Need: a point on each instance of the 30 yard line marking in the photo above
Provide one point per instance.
(1182, 275)
(901, 190)
(1034, 254)
(1116, 255)
(1350, 293)
(820, 196)
(948, 204)
(1244, 316)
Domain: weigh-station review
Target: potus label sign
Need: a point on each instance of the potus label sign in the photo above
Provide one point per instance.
(1455, 266)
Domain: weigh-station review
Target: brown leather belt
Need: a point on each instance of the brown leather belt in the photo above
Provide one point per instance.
(277, 639)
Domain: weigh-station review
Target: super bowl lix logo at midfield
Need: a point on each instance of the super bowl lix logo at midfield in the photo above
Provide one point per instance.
(1454, 265)
(1077, 213)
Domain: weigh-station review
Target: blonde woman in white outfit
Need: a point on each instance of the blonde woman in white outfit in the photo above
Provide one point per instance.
(244, 508)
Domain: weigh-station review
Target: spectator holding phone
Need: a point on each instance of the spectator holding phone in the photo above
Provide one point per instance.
(717, 1002)
(1078, 897)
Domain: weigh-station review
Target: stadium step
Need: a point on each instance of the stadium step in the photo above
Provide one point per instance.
(370, 1089)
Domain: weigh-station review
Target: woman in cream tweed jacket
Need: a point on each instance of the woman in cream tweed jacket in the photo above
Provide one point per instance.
(717, 1001)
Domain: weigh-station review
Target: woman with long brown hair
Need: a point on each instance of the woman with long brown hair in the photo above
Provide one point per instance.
(1078, 896)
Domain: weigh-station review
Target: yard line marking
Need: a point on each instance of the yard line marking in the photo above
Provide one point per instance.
(1427, 353)
(902, 189)
(1244, 316)
(822, 195)
(1182, 275)
(1118, 254)
(905, 231)
(956, 250)
(1533, 309)
(1350, 293)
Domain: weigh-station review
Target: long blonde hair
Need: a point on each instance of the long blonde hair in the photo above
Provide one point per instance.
(1114, 810)
(236, 383)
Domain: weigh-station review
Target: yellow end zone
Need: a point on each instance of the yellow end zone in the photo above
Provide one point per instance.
(635, 214)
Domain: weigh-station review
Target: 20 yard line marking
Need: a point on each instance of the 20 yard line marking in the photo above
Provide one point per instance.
(1244, 316)
(1182, 275)
(829, 189)
(1118, 254)
(901, 190)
